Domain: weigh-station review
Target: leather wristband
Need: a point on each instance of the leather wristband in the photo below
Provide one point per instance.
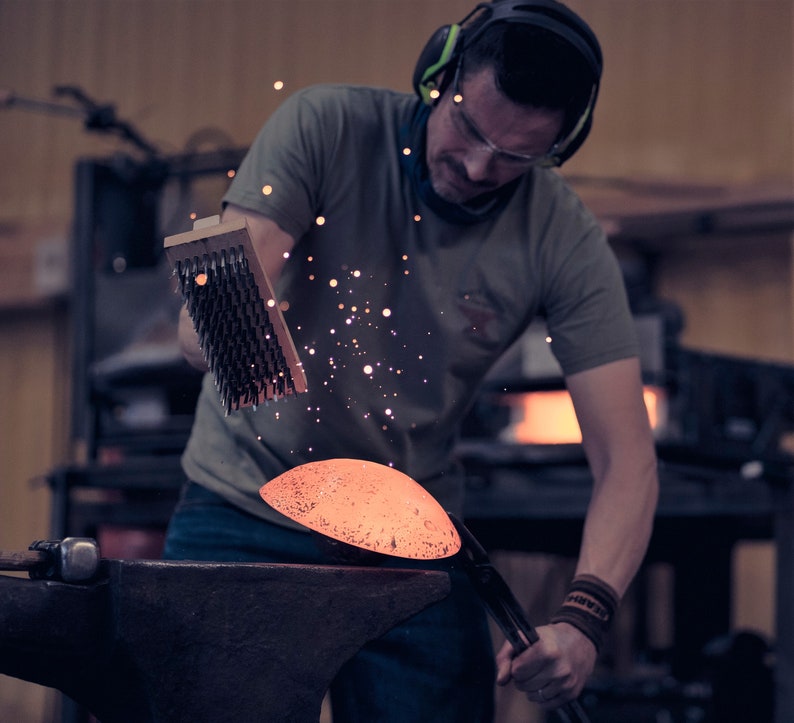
(589, 606)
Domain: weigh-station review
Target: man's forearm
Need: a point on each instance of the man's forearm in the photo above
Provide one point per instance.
(618, 526)
(620, 449)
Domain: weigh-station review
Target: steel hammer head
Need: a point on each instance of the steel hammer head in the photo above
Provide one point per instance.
(72, 559)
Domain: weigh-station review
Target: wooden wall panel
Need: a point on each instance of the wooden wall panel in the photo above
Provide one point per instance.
(174, 68)
(736, 294)
(33, 373)
(693, 88)
(700, 89)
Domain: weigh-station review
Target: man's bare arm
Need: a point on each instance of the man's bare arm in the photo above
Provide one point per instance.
(620, 449)
(619, 445)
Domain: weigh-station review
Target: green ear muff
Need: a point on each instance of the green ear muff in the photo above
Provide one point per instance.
(437, 55)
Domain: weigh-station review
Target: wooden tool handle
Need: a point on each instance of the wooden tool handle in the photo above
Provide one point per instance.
(26, 560)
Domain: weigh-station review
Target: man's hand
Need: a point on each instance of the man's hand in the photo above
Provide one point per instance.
(552, 671)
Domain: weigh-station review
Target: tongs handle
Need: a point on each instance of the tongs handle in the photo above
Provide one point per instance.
(504, 608)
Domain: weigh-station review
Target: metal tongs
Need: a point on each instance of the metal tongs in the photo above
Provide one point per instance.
(503, 607)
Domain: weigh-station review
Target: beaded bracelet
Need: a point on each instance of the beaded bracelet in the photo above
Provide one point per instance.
(589, 606)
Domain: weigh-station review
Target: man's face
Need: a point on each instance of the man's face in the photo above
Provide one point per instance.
(479, 140)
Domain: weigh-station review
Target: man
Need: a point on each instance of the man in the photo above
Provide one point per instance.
(414, 241)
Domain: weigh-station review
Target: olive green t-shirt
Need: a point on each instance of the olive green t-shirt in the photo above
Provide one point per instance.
(397, 314)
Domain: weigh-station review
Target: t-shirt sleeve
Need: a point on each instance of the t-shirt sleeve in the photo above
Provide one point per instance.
(279, 175)
(585, 301)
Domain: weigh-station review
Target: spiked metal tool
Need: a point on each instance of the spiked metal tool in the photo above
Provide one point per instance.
(241, 330)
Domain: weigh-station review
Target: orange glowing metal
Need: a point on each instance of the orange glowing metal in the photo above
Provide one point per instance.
(366, 505)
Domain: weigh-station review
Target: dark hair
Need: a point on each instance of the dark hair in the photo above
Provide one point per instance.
(532, 67)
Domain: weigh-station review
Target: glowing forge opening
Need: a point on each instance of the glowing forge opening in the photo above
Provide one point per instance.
(548, 417)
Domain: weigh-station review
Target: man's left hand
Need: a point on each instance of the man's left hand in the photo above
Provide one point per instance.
(552, 671)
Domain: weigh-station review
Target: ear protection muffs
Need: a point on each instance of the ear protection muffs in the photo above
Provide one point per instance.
(448, 42)
(438, 53)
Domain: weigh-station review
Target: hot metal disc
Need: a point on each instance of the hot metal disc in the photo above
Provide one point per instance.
(367, 505)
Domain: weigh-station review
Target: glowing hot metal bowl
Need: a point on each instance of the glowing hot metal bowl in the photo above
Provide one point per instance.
(366, 505)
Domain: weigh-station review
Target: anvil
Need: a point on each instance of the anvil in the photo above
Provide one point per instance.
(150, 641)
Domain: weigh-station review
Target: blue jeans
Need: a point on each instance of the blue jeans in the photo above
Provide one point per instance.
(436, 667)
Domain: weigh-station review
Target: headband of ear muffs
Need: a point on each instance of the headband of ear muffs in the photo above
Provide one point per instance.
(448, 42)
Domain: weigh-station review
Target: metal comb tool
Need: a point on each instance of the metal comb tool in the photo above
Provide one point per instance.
(241, 330)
